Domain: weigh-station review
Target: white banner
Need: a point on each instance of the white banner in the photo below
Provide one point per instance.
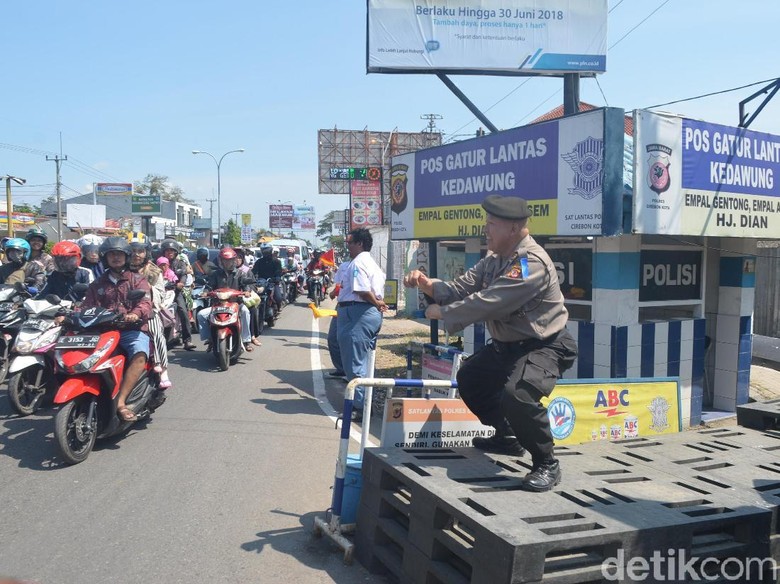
(502, 36)
(698, 178)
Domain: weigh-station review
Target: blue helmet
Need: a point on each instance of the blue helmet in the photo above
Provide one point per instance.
(20, 244)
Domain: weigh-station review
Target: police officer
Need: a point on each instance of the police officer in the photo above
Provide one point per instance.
(515, 291)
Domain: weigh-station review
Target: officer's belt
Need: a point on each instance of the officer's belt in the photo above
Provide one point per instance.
(526, 345)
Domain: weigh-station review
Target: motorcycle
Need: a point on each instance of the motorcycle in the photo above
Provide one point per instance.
(316, 286)
(268, 309)
(171, 326)
(12, 315)
(291, 282)
(90, 371)
(31, 373)
(199, 301)
(225, 326)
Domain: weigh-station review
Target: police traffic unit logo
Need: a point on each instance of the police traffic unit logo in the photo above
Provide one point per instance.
(562, 417)
(398, 182)
(658, 175)
(658, 409)
(587, 161)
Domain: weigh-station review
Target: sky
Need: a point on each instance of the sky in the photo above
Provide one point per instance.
(132, 88)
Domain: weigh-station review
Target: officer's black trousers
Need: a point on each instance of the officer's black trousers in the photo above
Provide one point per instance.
(492, 385)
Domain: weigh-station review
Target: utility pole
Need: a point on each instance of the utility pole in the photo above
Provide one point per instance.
(211, 218)
(57, 159)
(9, 203)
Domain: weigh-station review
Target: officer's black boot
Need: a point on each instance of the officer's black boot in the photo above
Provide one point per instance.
(502, 442)
(543, 477)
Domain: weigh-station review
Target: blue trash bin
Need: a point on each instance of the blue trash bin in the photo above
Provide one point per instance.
(353, 482)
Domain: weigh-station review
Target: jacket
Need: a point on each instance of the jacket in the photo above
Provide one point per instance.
(61, 284)
(112, 295)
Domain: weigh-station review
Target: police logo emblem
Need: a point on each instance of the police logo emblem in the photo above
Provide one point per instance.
(658, 410)
(562, 417)
(587, 162)
(658, 178)
(398, 182)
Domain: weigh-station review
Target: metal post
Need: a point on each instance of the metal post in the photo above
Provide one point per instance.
(219, 188)
(9, 206)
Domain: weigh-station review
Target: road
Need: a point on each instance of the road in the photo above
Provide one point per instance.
(222, 485)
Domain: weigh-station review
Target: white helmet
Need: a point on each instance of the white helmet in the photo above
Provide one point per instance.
(90, 239)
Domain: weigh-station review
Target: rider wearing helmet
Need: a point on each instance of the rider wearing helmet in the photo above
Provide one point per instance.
(269, 267)
(17, 267)
(171, 248)
(203, 266)
(90, 254)
(111, 291)
(67, 272)
(227, 275)
(37, 240)
(140, 263)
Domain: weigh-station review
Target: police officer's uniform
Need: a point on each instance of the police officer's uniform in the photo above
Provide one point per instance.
(520, 301)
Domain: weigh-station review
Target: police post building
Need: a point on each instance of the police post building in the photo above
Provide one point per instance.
(652, 220)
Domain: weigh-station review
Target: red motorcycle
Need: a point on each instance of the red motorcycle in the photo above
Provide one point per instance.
(90, 368)
(225, 326)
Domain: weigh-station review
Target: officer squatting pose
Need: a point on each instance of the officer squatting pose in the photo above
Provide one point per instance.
(515, 291)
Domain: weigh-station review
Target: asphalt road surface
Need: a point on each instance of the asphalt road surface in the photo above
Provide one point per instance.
(221, 486)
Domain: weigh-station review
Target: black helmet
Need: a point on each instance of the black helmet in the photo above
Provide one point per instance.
(170, 244)
(202, 255)
(36, 232)
(115, 244)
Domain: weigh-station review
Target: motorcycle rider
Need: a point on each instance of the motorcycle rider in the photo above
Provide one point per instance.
(203, 266)
(170, 249)
(90, 254)
(266, 266)
(316, 264)
(37, 240)
(66, 257)
(110, 291)
(227, 275)
(254, 314)
(140, 263)
(17, 267)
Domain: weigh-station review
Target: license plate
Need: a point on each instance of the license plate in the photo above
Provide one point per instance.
(221, 310)
(78, 341)
(7, 306)
(37, 324)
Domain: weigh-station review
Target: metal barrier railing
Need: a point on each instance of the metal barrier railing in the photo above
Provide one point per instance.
(333, 528)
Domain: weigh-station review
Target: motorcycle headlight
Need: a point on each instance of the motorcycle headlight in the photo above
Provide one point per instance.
(47, 338)
(21, 346)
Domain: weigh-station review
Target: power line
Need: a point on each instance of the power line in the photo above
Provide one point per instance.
(665, 2)
(711, 93)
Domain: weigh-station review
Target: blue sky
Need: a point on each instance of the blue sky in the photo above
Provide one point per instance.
(135, 87)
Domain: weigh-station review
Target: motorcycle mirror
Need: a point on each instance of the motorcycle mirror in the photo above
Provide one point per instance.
(135, 295)
(53, 299)
(80, 289)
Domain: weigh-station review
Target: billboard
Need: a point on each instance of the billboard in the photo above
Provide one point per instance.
(303, 218)
(280, 216)
(365, 201)
(502, 37)
(570, 171)
(696, 178)
(85, 216)
(113, 189)
(246, 219)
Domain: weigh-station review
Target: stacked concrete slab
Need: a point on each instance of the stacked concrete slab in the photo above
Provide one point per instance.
(460, 516)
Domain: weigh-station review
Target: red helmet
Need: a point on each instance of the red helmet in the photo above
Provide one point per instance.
(66, 249)
(228, 259)
(227, 253)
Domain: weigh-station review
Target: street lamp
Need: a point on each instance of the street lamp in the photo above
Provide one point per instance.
(219, 189)
(9, 205)
(384, 145)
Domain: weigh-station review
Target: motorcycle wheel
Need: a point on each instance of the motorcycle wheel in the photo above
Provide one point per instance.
(317, 298)
(73, 438)
(25, 396)
(4, 364)
(223, 355)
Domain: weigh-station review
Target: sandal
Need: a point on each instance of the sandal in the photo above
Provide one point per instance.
(256, 341)
(167, 384)
(126, 414)
(248, 347)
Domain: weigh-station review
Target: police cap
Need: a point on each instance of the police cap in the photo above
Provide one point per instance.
(512, 208)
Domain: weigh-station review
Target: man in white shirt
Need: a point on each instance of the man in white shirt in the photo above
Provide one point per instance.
(360, 310)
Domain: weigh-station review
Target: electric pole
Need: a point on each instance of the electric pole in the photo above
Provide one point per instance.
(211, 218)
(57, 159)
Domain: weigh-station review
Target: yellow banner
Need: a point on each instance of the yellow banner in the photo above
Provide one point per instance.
(587, 410)
(246, 219)
(469, 220)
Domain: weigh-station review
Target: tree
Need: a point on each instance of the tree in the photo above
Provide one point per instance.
(232, 234)
(325, 229)
(27, 208)
(157, 184)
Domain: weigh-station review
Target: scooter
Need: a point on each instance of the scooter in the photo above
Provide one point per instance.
(268, 309)
(90, 371)
(316, 285)
(200, 301)
(31, 373)
(12, 315)
(225, 326)
(171, 326)
(291, 282)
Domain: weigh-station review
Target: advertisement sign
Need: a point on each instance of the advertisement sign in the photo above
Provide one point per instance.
(280, 216)
(575, 271)
(365, 200)
(85, 216)
(246, 219)
(559, 167)
(114, 189)
(391, 294)
(697, 178)
(200, 223)
(502, 37)
(590, 410)
(304, 218)
(669, 275)
(430, 423)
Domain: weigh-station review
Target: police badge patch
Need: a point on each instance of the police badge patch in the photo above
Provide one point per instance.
(658, 175)
(658, 409)
(587, 161)
(398, 182)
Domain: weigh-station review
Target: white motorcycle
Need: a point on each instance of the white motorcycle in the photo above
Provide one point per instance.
(31, 373)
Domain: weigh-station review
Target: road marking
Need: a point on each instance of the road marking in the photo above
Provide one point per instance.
(318, 381)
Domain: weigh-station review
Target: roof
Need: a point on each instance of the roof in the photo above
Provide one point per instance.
(628, 121)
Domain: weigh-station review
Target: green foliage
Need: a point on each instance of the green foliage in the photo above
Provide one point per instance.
(232, 234)
(158, 184)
